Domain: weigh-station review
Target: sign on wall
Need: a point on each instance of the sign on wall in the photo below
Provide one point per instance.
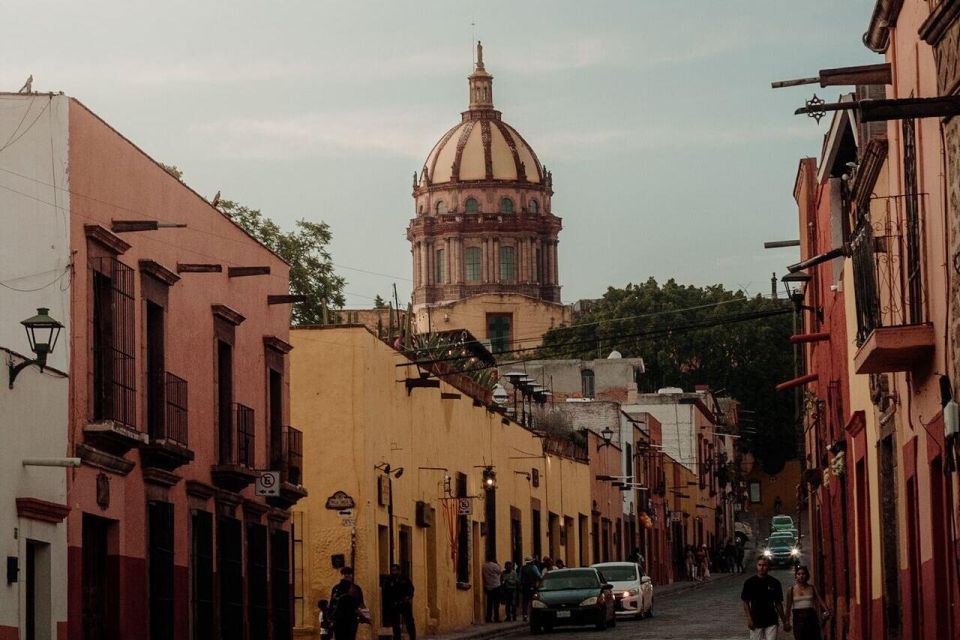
(340, 501)
(464, 506)
(268, 483)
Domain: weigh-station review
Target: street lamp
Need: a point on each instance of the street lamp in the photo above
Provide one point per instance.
(390, 473)
(42, 333)
(607, 435)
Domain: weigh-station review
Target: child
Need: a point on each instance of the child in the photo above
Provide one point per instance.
(323, 623)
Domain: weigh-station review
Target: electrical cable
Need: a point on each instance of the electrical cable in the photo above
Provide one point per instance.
(40, 288)
(25, 131)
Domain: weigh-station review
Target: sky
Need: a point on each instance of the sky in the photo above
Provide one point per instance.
(672, 157)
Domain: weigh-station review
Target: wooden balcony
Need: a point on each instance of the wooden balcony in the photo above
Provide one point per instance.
(895, 348)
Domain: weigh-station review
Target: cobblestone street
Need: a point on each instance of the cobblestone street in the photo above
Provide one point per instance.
(710, 612)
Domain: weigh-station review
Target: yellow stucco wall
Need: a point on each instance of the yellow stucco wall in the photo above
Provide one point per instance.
(349, 399)
(531, 317)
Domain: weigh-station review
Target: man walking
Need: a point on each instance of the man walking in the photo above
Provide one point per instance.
(346, 603)
(762, 598)
(398, 595)
(529, 582)
(491, 587)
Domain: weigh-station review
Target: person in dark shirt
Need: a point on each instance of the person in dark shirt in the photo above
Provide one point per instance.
(346, 601)
(398, 596)
(762, 598)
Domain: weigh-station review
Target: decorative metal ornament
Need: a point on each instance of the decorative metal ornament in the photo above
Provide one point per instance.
(103, 491)
(813, 111)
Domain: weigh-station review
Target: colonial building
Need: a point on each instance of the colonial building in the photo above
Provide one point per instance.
(429, 474)
(175, 342)
(484, 235)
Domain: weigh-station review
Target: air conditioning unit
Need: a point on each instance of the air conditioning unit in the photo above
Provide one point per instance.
(426, 515)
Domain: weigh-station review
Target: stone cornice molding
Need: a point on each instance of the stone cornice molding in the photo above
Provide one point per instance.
(159, 272)
(276, 344)
(106, 238)
(103, 460)
(41, 510)
(228, 315)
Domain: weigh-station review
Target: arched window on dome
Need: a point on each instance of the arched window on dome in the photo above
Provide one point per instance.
(471, 264)
(441, 208)
(533, 206)
(506, 205)
(471, 205)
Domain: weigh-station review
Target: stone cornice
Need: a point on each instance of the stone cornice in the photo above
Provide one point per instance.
(200, 490)
(276, 344)
(105, 238)
(227, 314)
(487, 225)
(41, 510)
(481, 185)
(103, 460)
(253, 510)
(160, 477)
(159, 272)
(884, 17)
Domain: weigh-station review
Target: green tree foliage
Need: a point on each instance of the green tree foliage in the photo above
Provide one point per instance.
(702, 345)
(305, 250)
(379, 303)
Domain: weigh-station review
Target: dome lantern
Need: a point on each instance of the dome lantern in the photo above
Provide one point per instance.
(481, 85)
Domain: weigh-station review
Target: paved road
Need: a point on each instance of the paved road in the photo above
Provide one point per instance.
(710, 612)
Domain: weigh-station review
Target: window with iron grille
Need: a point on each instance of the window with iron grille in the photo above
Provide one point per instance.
(913, 266)
(201, 574)
(113, 367)
(280, 583)
(257, 603)
(230, 574)
(866, 292)
(160, 516)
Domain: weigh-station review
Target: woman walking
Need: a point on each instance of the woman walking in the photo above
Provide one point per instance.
(804, 603)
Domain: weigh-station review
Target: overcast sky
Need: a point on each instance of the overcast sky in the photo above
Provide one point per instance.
(671, 155)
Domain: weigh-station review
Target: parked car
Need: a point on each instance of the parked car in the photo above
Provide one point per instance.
(782, 549)
(743, 532)
(573, 597)
(632, 590)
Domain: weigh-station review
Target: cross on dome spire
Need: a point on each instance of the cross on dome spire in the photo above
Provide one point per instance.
(481, 84)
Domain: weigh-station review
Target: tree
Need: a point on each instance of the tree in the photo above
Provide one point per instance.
(379, 303)
(305, 250)
(722, 338)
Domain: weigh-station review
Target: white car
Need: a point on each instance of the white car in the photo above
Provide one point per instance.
(632, 589)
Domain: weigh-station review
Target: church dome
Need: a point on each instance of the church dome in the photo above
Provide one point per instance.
(482, 147)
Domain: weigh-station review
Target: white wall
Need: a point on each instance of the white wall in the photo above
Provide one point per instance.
(33, 421)
(34, 218)
(676, 420)
(34, 261)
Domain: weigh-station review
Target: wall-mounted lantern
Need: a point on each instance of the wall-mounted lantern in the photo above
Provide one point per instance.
(42, 333)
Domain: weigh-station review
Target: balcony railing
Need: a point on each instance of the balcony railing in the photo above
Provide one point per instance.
(167, 408)
(237, 437)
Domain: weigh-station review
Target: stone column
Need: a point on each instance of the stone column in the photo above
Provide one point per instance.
(556, 266)
(496, 260)
(446, 259)
(424, 264)
(484, 277)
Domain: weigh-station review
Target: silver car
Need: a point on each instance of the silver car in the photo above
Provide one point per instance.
(632, 589)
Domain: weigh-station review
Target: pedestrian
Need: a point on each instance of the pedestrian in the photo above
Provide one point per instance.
(762, 598)
(804, 602)
(398, 592)
(778, 506)
(691, 564)
(323, 620)
(346, 606)
(529, 583)
(741, 551)
(730, 553)
(491, 587)
(546, 565)
(701, 559)
(509, 586)
(561, 564)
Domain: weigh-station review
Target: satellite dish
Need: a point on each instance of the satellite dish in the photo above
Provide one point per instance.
(614, 355)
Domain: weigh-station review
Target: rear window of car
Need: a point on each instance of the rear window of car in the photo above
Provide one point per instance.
(626, 573)
(563, 580)
(782, 520)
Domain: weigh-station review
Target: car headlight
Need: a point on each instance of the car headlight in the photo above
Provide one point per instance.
(630, 592)
(538, 604)
(795, 552)
(767, 553)
(589, 602)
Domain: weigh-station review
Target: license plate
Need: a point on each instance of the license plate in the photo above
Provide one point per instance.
(563, 614)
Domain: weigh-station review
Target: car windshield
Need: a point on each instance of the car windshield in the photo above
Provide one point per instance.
(566, 580)
(622, 573)
(782, 521)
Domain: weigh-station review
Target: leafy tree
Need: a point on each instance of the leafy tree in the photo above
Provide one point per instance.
(722, 338)
(305, 250)
(173, 170)
(379, 303)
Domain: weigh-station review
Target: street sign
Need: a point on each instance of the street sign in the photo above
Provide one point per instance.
(268, 483)
(676, 516)
(345, 513)
(464, 506)
(340, 501)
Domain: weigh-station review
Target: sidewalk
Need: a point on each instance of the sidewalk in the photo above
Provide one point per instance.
(500, 629)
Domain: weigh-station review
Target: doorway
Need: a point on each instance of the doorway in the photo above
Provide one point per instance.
(39, 621)
(405, 547)
(99, 582)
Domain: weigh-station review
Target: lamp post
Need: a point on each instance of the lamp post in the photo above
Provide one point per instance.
(390, 473)
(42, 333)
